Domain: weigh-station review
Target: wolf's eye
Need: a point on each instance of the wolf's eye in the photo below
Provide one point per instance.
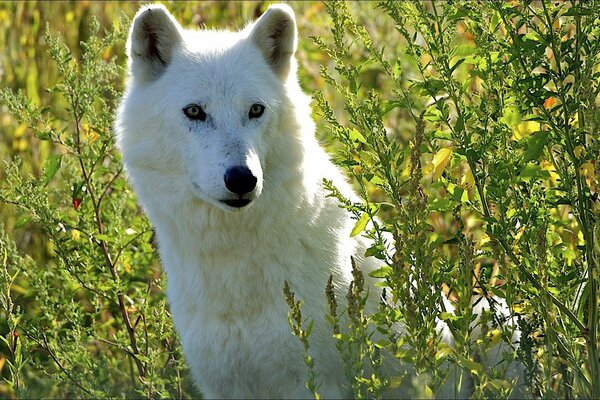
(194, 111)
(256, 111)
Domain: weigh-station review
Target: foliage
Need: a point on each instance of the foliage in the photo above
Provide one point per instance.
(87, 298)
(494, 192)
(470, 129)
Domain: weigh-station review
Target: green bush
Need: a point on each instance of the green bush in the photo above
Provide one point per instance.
(92, 321)
(477, 149)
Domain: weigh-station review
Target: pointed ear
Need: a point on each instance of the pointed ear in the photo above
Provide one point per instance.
(275, 34)
(154, 33)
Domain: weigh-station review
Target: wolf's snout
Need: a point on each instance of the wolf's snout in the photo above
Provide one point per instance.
(240, 180)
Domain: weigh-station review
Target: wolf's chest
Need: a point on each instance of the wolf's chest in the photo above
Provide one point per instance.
(249, 340)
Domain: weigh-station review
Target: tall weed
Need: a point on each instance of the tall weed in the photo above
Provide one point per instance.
(92, 321)
(494, 193)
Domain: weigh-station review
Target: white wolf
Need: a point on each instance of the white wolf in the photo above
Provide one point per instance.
(218, 142)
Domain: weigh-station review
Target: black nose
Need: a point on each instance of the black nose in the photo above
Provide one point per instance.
(240, 180)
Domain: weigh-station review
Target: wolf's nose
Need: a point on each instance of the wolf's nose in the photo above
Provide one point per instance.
(240, 180)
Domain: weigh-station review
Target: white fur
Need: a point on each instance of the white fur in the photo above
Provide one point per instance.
(226, 267)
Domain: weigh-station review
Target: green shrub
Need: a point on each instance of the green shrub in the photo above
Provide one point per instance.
(477, 148)
(92, 321)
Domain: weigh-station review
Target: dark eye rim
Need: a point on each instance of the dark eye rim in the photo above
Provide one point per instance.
(258, 114)
(200, 116)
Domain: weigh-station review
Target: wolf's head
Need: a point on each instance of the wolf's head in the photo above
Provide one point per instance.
(203, 109)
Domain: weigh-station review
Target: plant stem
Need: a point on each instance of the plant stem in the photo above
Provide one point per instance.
(102, 243)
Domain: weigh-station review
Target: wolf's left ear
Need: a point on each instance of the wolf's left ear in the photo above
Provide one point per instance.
(275, 34)
(153, 36)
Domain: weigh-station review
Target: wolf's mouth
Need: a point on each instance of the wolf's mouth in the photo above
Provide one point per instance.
(237, 203)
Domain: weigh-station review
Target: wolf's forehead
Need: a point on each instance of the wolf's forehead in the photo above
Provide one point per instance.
(232, 66)
(225, 73)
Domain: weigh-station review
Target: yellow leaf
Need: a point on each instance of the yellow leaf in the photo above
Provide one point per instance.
(428, 392)
(395, 382)
(20, 144)
(525, 129)
(427, 170)
(495, 335)
(518, 309)
(549, 102)
(440, 160)
(548, 166)
(20, 130)
(406, 170)
(588, 170)
(485, 239)
(75, 234)
(360, 225)
(467, 180)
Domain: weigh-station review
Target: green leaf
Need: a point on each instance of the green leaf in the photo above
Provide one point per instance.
(533, 171)
(445, 204)
(535, 146)
(511, 116)
(375, 180)
(389, 105)
(472, 366)
(376, 251)
(309, 328)
(456, 65)
(576, 11)
(355, 136)
(446, 135)
(447, 316)
(105, 238)
(360, 225)
(382, 272)
(463, 50)
(460, 13)
(22, 220)
(443, 352)
(51, 166)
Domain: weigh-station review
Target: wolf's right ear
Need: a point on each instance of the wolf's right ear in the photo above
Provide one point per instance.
(154, 33)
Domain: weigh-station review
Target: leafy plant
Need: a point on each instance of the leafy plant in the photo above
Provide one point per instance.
(101, 285)
(495, 191)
